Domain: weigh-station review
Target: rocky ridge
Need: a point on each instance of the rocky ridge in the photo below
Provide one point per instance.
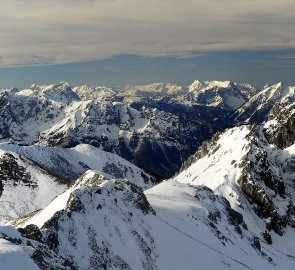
(166, 121)
(99, 222)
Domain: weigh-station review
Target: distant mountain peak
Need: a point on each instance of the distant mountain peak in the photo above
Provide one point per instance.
(101, 153)
(210, 84)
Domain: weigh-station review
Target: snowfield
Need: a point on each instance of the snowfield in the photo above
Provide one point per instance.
(178, 226)
(13, 257)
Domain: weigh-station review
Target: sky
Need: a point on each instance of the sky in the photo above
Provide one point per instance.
(118, 42)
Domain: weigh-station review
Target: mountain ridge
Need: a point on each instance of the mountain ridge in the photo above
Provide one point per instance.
(126, 124)
(230, 205)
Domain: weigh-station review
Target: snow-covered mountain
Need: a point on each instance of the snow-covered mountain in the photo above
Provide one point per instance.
(155, 126)
(256, 109)
(111, 224)
(227, 95)
(252, 174)
(24, 186)
(70, 163)
(128, 120)
(31, 176)
(255, 175)
(56, 116)
(223, 94)
(231, 206)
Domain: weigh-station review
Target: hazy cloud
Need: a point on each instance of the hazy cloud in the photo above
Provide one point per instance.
(61, 31)
(286, 57)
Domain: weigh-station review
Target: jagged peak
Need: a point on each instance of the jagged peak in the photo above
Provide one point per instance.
(91, 87)
(60, 92)
(197, 84)
(277, 85)
(277, 92)
(60, 85)
(94, 92)
(90, 182)
(90, 178)
(154, 88)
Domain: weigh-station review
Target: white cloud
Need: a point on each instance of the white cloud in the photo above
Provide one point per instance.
(60, 31)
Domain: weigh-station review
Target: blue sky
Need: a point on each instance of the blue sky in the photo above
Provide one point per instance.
(118, 42)
(254, 67)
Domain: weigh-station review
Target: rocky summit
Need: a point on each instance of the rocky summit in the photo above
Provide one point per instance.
(159, 176)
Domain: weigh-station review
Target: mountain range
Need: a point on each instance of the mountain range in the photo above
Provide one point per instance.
(159, 176)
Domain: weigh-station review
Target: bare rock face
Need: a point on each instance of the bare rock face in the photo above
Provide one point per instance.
(12, 172)
(263, 184)
(32, 232)
(282, 132)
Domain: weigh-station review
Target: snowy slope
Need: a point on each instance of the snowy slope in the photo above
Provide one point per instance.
(217, 234)
(24, 186)
(255, 110)
(254, 176)
(13, 257)
(219, 168)
(70, 163)
(225, 94)
(111, 224)
(31, 176)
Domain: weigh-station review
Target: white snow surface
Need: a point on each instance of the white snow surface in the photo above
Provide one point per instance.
(221, 168)
(176, 206)
(79, 159)
(59, 203)
(13, 257)
(20, 198)
(179, 236)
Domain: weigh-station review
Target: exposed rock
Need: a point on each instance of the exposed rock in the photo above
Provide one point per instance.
(267, 237)
(256, 243)
(12, 172)
(32, 232)
(284, 134)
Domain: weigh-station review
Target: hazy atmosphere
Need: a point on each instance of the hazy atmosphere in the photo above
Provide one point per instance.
(106, 41)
